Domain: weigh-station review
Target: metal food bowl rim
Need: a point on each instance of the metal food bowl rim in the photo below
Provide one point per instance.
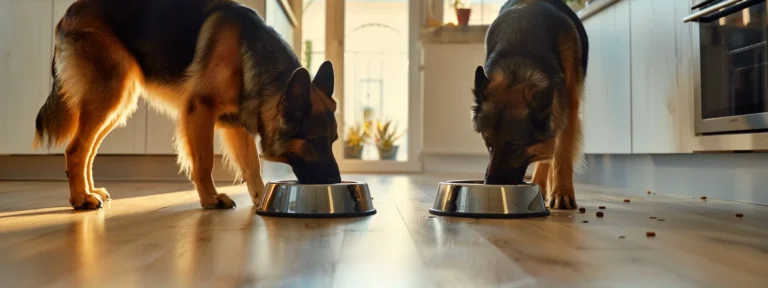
(296, 183)
(474, 183)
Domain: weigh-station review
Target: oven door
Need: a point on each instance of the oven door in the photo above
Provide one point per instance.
(730, 49)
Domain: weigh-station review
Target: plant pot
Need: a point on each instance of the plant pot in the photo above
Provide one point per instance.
(388, 153)
(353, 152)
(462, 15)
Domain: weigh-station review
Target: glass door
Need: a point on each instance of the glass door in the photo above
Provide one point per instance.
(370, 44)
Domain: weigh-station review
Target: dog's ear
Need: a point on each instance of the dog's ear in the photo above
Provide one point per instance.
(481, 84)
(324, 78)
(295, 100)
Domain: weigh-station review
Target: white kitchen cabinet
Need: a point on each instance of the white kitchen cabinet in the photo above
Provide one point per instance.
(5, 57)
(26, 51)
(25, 70)
(606, 109)
(662, 77)
(160, 133)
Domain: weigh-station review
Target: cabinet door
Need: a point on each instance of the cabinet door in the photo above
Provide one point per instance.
(5, 58)
(662, 77)
(606, 108)
(25, 70)
(160, 133)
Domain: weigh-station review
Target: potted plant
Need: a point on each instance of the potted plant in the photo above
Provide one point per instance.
(462, 12)
(386, 135)
(353, 145)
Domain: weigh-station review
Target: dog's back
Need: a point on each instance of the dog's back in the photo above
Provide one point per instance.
(525, 28)
(162, 34)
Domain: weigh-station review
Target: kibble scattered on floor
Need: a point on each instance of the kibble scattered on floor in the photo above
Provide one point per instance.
(652, 217)
(601, 207)
(649, 192)
(661, 219)
(703, 197)
(650, 234)
(600, 214)
(626, 200)
(582, 210)
(585, 221)
(739, 215)
(622, 237)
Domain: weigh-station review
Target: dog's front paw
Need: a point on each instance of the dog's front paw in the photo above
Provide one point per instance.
(220, 201)
(562, 199)
(103, 193)
(256, 194)
(86, 202)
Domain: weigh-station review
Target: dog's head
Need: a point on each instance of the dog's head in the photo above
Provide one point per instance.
(307, 127)
(514, 114)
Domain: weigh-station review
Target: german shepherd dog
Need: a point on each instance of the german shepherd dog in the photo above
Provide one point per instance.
(528, 95)
(210, 64)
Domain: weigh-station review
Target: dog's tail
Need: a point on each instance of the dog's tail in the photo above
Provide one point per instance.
(56, 121)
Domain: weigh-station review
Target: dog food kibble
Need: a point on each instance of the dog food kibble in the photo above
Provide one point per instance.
(600, 214)
(582, 210)
(703, 198)
(622, 237)
(661, 219)
(626, 200)
(650, 234)
(652, 217)
(601, 207)
(740, 215)
(585, 221)
(649, 192)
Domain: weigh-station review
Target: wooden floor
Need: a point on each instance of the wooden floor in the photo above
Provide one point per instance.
(156, 235)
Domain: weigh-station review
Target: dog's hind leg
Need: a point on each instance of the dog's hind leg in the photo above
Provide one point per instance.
(98, 77)
(128, 107)
(92, 155)
(240, 151)
(568, 141)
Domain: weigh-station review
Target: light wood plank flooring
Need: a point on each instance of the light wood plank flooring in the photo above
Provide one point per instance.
(156, 235)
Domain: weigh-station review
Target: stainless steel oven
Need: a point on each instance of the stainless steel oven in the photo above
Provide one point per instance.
(731, 62)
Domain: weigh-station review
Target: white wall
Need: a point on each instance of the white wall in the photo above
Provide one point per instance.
(448, 73)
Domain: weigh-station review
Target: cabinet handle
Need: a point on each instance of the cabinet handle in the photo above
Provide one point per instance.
(702, 13)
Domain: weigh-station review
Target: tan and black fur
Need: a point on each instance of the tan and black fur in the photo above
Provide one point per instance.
(528, 96)
(209, 64)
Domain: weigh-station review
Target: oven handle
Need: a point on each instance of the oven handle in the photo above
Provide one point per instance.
(711, 9)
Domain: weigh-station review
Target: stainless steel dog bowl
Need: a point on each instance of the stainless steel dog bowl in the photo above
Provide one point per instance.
(291, 199)
(476, 200)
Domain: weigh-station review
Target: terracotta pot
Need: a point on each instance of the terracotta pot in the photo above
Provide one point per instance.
(388, 153)
(353, 152)
(462, 15)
